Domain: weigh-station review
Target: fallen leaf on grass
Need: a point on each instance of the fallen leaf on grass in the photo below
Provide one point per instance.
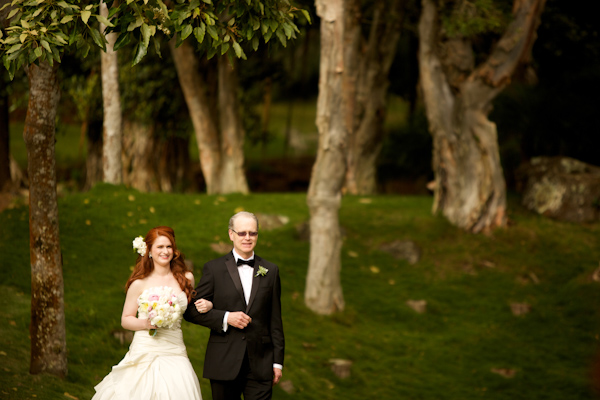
(505, 372)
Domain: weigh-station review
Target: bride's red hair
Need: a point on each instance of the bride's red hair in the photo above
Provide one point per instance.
(144, 264)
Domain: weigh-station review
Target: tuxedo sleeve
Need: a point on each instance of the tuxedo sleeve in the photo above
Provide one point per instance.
(212, 319)
(277, 324)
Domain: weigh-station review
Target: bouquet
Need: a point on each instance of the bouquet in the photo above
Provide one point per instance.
(160, 306)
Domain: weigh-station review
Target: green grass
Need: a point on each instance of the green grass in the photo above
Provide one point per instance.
(467, 280)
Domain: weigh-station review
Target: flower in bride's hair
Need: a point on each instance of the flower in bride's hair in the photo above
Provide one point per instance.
(139, 245)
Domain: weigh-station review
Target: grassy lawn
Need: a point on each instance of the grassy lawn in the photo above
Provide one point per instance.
(449, 352)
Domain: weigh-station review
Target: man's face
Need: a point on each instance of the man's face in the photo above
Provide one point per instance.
(244, 245)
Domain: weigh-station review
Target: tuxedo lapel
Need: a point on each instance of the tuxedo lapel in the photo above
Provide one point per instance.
(235, 275)
(255, 282)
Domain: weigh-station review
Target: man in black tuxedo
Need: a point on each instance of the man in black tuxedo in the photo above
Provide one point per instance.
(245, 349)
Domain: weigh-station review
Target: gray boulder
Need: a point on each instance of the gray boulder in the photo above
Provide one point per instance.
(561, 187)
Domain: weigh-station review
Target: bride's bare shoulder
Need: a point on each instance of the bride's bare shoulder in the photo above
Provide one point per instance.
(137, 286)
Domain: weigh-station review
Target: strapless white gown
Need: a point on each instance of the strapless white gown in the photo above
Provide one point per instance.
(154, 368)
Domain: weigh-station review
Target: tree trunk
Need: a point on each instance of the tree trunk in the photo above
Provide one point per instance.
(5, 180)
(93, 161)
(368, 62)
(193, 88)
(139, 157)
(233, 176)
(113, 135)
(47, 329)
(469, 185)
(323, 292)
(175, 171)
(221, 153)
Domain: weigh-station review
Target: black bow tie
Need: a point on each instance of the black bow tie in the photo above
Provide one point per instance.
(245, 262)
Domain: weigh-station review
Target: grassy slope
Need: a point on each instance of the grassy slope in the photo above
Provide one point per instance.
(447, 353)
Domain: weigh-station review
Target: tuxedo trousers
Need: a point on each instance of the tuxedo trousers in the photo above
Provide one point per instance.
(244, 384)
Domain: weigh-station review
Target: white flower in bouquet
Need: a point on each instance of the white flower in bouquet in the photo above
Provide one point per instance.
(160, 306)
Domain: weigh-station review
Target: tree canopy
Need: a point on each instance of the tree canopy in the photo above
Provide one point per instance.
(42, 30)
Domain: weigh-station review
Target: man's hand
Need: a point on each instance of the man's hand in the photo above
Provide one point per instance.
(277, 373)
(238, 319)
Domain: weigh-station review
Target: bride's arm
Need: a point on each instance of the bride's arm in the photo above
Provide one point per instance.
(129, 319)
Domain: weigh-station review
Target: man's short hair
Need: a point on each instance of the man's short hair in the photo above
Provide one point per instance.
(242, 214)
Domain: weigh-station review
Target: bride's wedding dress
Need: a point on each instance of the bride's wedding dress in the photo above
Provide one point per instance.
(155, 368)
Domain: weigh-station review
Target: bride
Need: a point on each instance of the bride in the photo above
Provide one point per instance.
(156, 367)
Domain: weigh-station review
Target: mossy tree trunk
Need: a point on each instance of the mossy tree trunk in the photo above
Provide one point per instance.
(219, 137)
(323, 293)
(469, 184)
(47, 329)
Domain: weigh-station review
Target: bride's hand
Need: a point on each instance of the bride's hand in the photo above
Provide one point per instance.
(149, 325)
(203, 305)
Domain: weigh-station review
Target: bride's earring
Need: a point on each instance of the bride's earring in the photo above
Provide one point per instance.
(150, 256)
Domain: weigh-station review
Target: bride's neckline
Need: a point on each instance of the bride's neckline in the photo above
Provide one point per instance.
(159, 287)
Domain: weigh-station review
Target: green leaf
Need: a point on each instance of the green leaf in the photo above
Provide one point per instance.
(123, 40)
(187, 31)
(37, 12)
(14, 48)
(24, 24)
(85, 49)
(199, 32)
(38, 52)
(211, 52)
(45, 45)
(66, 18)
(135, 24)
(212, 31)
(98, 38)
(63, 4)
(239, 52)
(306, 15)
(85, 16)
(12, 13)
(288, 30)
(104, 20)
(140, 52)
(31, 57)
(156, 46)
(267, 36)
(6, 63)
(15, 55)
(255, 42)
(273, 24)
(60, 38)
(224, 48)
(55, 53)
(146, 35)
(281, 37)
(112, 11)
(207, 1)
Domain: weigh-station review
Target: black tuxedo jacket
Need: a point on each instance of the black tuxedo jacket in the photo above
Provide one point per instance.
(262, 338)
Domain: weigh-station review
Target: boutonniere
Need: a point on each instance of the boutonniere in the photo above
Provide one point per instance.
(262, 271)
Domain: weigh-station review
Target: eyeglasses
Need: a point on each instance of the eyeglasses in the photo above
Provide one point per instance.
(243, 234)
